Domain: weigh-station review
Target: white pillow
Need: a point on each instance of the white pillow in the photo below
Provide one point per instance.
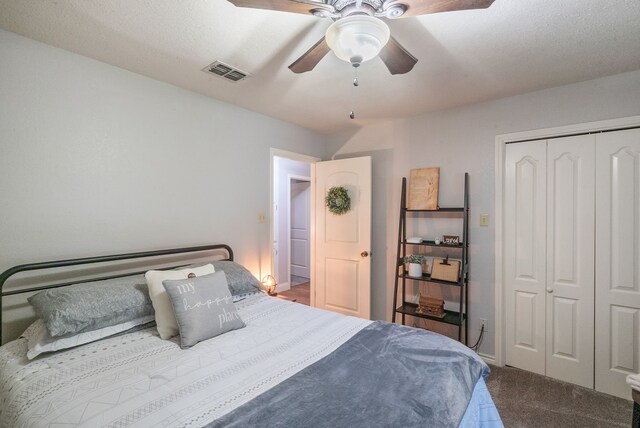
(165, 320)
(39, 341)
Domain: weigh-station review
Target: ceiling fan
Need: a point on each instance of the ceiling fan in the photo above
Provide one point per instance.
(358, 34)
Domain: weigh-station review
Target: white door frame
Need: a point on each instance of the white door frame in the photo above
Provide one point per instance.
(299, 178)
(273, 152)
(500, 144)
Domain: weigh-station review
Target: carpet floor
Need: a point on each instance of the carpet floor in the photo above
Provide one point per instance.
(527, 399)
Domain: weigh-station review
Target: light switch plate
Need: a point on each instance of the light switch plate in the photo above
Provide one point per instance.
(484, 220)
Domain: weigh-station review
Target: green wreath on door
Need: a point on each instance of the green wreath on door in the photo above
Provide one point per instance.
(337, 200)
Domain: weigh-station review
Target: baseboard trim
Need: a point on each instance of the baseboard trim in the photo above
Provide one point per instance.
(489, 359)
(283, 287)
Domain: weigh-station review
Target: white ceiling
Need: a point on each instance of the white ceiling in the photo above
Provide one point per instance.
(515, 46)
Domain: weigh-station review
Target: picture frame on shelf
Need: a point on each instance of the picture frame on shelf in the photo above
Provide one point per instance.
(423, 188)
(445, 269)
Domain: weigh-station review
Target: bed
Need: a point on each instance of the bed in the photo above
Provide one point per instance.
(289, 365)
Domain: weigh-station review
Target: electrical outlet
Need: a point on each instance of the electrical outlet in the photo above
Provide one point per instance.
(262, 218)
(484, 323)
(484, 220)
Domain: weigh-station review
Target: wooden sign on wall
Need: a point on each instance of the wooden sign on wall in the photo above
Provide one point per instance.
(423, 189)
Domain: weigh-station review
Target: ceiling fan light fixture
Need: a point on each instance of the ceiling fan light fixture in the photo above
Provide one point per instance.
(357, 38)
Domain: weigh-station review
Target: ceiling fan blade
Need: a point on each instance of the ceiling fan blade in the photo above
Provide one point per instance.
(423, 7)
(396, 58)
(306, 7)
(310, 58)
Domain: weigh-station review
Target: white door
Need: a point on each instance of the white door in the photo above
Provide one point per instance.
(617, 260)
(342, 264)
(570, 259)
(549, 257)
(300, 215)
(524, 254)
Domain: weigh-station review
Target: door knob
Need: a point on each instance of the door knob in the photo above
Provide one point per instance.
(549, 290)
(364, 254)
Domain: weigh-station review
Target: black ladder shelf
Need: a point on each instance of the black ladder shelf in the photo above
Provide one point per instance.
(460, 317)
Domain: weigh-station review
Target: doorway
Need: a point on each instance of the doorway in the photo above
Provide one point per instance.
(291, 218)
(340, 266)
(299, 230)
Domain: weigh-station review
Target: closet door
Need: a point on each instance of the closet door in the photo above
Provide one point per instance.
(570, 259)
(617, 260)
(524, 254)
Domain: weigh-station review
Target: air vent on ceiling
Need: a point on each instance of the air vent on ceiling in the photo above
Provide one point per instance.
(225, 71)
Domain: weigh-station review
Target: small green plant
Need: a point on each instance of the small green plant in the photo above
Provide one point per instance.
(415, 258)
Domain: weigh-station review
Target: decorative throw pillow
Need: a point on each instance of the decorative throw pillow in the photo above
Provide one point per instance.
(92, 305)
(39, 341)
(203, 307)
(240, 280)
(165, 321)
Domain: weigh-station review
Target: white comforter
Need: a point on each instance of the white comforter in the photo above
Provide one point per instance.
(138, 380)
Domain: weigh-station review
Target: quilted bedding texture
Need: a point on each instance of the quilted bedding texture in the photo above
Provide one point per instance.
(138, 380)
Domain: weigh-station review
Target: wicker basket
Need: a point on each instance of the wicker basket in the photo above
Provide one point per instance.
(431, 306)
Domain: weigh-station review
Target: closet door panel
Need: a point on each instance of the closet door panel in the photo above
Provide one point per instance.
(564, 338)
(524, 255)
(618, 260)
(624, 321)
(570, 259)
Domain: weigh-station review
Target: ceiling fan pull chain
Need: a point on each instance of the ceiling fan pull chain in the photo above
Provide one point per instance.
(352, 114)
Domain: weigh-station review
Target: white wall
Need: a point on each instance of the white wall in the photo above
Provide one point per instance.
(462, 140)
(98, 160)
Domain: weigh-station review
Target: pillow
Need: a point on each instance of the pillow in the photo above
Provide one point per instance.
(203, 308)
(165, 321)
(240, 280)
(39, 341)
(92, 305)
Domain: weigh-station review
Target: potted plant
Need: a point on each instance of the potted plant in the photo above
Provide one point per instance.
(415, 262)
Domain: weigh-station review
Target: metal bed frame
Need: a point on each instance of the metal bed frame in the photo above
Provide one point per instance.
(4, 276)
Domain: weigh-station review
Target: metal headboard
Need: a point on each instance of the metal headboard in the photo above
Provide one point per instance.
(4, 276)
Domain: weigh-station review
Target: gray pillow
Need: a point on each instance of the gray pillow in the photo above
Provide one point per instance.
(203, 307)
(240, 280)
(92, 305)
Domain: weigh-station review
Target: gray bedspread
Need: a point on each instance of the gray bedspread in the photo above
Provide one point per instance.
(384, 376)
